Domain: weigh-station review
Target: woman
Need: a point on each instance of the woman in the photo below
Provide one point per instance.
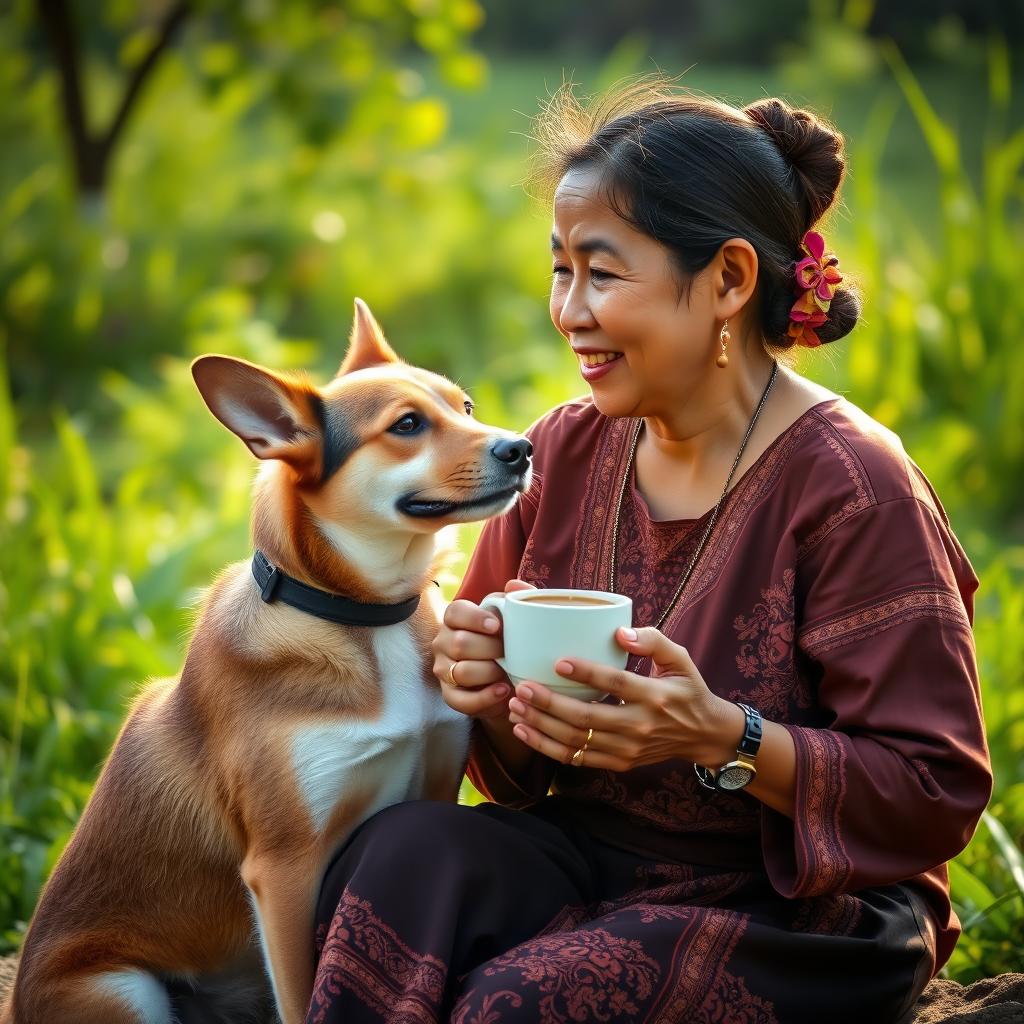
(805, 625)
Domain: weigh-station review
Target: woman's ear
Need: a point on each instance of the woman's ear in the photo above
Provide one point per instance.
(735, 277)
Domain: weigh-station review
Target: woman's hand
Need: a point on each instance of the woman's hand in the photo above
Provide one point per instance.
(465, 649)
(672, 714)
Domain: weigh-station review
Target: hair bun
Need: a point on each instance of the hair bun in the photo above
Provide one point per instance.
(843, 314)
(812, 147)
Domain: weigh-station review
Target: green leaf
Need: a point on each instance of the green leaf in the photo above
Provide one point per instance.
(1011, 854)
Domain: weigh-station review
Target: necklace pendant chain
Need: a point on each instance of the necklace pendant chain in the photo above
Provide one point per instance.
(714, 515)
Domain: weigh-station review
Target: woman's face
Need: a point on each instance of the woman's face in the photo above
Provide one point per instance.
(616, 299)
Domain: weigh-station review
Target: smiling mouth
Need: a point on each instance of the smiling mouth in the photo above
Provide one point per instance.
(599, 358)
(426, 509)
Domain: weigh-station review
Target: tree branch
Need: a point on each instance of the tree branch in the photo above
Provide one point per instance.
(171, 23)
(91, 154)
(56, 20)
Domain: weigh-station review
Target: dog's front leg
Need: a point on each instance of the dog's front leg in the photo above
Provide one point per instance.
(283, 895)
(444, 759)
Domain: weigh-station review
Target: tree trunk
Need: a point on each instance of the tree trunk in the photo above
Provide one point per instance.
(90, 154)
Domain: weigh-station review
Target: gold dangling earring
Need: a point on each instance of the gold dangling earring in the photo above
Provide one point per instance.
(723, 357)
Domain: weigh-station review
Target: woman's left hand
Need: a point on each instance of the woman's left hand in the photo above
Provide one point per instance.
(671, 714)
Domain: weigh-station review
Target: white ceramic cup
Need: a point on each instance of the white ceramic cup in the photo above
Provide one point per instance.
(542, 626)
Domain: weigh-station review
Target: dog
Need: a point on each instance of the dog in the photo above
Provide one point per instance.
(306, 703)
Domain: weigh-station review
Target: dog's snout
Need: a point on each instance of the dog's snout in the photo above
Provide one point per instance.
(515, 454)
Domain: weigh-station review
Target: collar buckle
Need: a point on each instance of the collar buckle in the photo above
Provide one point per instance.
(270, 584)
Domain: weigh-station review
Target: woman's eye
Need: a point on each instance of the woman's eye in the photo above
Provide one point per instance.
(410, 423)
(595, 274)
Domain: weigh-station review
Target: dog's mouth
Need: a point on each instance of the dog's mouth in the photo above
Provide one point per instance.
(427, 508)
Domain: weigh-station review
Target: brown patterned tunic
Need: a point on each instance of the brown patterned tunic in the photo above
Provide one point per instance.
(833, 596)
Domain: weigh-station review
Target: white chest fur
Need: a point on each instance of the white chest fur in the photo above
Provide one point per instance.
(383, 759)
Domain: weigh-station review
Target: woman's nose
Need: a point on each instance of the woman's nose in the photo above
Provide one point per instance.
(574, 313)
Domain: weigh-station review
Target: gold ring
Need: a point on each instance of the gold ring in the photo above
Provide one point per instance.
(577, 759)
(451, 673)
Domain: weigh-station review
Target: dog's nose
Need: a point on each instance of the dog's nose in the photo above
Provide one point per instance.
(515, 454)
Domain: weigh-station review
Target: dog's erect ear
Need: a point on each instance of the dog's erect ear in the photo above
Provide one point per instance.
(366, 345)
(276, 417)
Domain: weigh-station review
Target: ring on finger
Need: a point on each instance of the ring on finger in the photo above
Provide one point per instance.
(451, 673)
(577, 759)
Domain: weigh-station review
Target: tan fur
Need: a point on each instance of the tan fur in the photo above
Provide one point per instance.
(198, 814)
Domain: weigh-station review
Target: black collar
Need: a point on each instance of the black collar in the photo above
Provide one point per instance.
(274, 584)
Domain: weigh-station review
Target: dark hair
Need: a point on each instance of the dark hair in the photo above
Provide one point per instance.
(692, 172)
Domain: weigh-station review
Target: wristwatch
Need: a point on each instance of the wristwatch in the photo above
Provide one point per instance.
(737, 774)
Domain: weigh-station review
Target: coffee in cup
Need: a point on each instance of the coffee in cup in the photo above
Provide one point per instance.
(542, 626)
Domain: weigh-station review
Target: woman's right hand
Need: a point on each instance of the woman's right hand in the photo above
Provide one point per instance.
(468, 642)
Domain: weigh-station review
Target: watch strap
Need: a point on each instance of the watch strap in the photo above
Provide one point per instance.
(753, 730)
(750, 744)
(705, 776)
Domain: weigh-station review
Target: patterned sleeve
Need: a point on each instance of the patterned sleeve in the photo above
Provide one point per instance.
(499, 551)
(496, 559)
(895, 777)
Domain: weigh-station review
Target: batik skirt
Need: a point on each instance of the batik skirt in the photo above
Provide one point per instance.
(488, 915)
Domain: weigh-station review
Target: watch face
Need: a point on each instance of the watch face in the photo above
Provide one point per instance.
(734, 776)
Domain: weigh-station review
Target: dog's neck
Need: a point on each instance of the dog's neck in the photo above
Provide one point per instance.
(367, 562)
(398, 563)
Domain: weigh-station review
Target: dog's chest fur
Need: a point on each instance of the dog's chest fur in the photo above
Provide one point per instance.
(389, 756)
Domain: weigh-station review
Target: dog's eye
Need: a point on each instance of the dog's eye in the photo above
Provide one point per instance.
(469, 407)
(410, 423)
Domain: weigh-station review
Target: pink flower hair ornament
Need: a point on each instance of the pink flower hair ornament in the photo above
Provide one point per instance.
(816, 279)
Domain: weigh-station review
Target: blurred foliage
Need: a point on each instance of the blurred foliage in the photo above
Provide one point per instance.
(268, 170)
(753, 34)
(284, 157)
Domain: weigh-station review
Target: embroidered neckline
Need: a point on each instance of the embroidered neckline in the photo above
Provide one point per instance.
(640, 502)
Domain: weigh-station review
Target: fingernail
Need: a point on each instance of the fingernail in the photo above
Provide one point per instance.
(629, 634)
(525, 693)
(490, 625)
(516, 705)
(563, 668)
(520, 732)
(500, 690)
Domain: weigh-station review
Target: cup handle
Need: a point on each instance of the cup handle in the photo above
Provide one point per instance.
(496, 603)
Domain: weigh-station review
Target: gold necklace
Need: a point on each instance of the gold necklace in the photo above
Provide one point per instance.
(714, 514)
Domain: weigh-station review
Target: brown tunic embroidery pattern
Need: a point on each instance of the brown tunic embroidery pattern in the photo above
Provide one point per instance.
(766, 652)
(882, 615)
(863, 495)
(674, 803)
(753, 488)
(589, 568)
(364, 955)
(652, 558)
(824, 866)
(530, 571)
